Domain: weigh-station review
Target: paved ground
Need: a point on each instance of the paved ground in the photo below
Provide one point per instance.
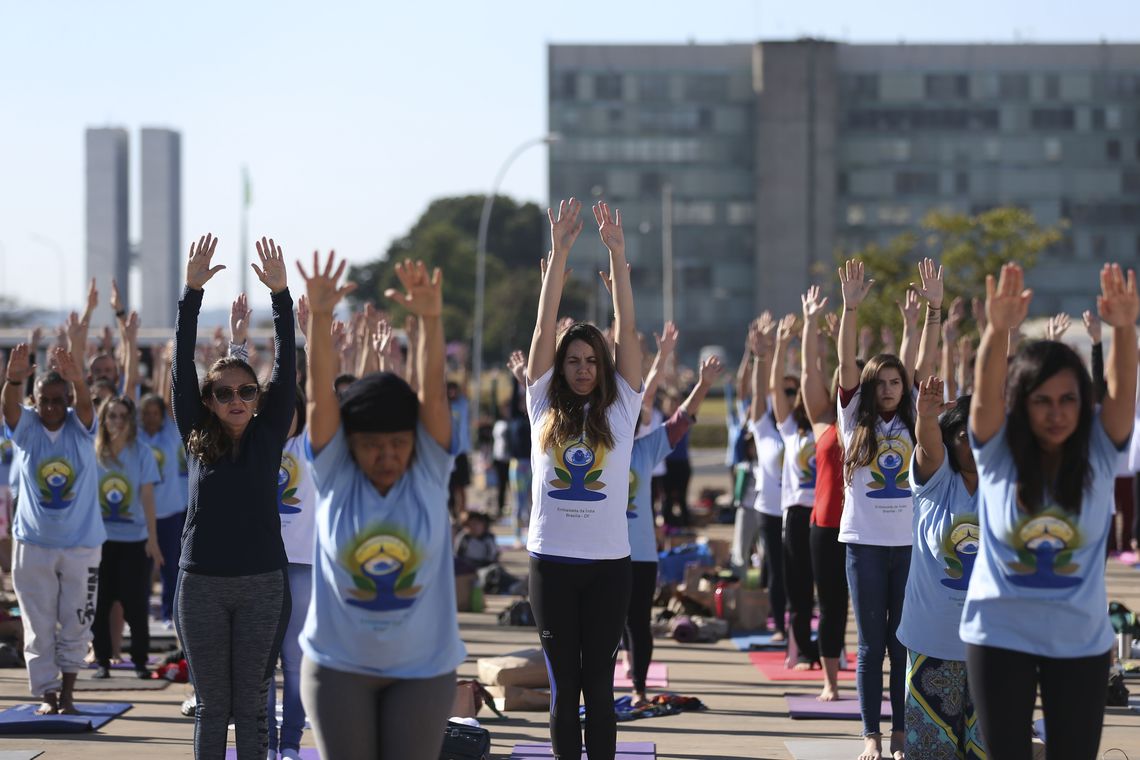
(746, 719)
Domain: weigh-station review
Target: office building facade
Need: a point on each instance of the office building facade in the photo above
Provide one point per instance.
(160, 259)
(108, 196)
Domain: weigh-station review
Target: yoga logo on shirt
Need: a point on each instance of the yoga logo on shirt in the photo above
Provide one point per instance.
(1044, 544)
(889, 469)
(805, 465)
(631, 508)
(160, 460)
(580, 480)
(959, 550)
(383, 566)
(115, 497)
(5, 452)
(288, 478)
(55, 479)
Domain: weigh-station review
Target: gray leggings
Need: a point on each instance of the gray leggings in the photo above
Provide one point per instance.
(358, 717)
(231, 630)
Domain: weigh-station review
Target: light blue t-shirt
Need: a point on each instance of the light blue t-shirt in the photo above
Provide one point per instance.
(383, 599)
(120, 491)
(648, 450)
(460, 426)
(170, 493)
(1038, 584)
(58, 504)
(945, 548)
(5, 457)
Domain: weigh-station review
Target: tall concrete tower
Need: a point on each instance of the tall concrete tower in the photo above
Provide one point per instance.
(108, 246)
(160, 255)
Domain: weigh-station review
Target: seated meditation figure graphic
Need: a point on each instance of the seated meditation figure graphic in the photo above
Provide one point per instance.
(383, 570)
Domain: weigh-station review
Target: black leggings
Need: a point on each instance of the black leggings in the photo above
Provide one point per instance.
(124, 576)
(829, 567)
(1073, 693)
(503, 476)
(580, 610)
(798, 580)
(677, 475)
(638, 637)
(772, 539)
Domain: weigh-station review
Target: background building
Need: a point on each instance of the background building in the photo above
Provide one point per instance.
(160, 253)
(781, 154)
(108, 195)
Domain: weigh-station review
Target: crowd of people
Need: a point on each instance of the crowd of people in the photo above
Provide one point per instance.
(307, 506)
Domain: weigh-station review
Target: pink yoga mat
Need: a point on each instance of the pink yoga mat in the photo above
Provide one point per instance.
(657, 678)
(771, 664)
(307, 753)
(807, 706)
(1128, 558)
(625, 751)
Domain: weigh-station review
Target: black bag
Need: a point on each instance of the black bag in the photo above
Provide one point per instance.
(463, 742)
(517, 613)
(1117, 691)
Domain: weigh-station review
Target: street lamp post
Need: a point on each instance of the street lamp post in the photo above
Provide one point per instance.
(481, 261)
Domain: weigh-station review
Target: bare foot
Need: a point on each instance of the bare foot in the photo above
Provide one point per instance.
(779, 637)
(872, 747)
(67, 695)
(898, 745)
(804, 666)
(50, 705)
(829, 693)
(640, 699)
(67, 706)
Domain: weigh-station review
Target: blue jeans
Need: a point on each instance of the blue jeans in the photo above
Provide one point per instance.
(293, 712)
(169, 530)
(876, 576)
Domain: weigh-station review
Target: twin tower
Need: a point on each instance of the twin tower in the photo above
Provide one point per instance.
(109, 250)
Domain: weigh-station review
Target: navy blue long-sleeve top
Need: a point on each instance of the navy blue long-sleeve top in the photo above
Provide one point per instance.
(232, 522)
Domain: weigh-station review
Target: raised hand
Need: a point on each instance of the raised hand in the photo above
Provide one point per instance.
(852, 285)
(322, 287)
(813, 303)
(831, 325)
(710, 371)
(116, 299)
(930, 285)
(92, 302)
(516, 365)
(910, 307)
(272, 272)
(978, 307)
(1057, 326)
(957, 311)
(565, 227)
(1007, 298)
(965, 350)
(198, 269)
(606, 277)
(20, 366)
(303, 314)
(609, 228)
(382, 337)
(1092, 326)
(667, 340)
(239, 319)
(544, 264)
(887, 336)
(423, 295)
(339, 335)
(761, 336)
(1118, 302)
(786, 330)
(931, 398)
(65, 365)
(131, 328)
(866, 340)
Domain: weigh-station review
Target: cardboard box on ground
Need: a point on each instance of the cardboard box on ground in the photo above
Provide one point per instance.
(517, 681)
(745, 609)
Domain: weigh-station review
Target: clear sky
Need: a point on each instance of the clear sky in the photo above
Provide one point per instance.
(352, 116)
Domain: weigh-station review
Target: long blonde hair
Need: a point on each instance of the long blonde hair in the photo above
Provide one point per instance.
(104, 450)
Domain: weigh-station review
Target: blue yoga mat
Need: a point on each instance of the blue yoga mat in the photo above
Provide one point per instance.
(22, 719)
(753, 641)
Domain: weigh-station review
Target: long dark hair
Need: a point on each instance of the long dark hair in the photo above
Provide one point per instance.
(1033, 364)
(952, 422)
(798, 411)
(210, 441)
(865, 442)
(568, 417)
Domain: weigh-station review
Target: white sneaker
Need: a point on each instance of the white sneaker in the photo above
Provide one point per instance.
(291, 754)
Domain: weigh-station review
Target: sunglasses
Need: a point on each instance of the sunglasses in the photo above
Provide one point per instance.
(790, 392)
(225, 394)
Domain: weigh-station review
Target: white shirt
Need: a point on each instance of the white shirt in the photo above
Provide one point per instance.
(797, 482)
(769, 464)
(297, 502)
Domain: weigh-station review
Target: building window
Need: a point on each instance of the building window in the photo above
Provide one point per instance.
(1130, 182)
(862, 86)
(1053, 118)
(1014, 86)
(705, 119)
(842, 182)
(650, 183)
(694, 212)
(947, 87)
(564, 85)
(697, 276)
(1112, 117)
(1099, 245)
(615, 116)
(899, 150)
(856, 215)
(1112, 150)
(1098, 118)
(607, 86)
(653, 87)
(1052, 87)
(992, 149)
(1052, 149)
(740, 213)
(916, 183)
(1136, 253)
(894, 215)
(706, 88)
(962, 183)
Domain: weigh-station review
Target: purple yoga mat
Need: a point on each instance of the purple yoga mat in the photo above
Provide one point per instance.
(126, 664)
(625, 751)
(807, 706)
(307, 753)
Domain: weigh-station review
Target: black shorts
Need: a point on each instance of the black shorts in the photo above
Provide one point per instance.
(461, 475)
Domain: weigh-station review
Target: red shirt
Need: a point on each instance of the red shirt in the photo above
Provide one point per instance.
(828, 507)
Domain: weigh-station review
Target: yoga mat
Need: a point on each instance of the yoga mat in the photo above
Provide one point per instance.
(307, 753)
(752, 641)
(127, 664)
(625, 751)
(804, 706)
(771, 664)
(824, 749)
(22, 719)
(118, 682)
(657, 678)
(1128, 558)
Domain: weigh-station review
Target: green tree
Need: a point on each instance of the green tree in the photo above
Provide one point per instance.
(968, 247)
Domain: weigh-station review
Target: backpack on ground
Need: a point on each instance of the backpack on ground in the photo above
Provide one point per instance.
(463, 742)
(517, 613)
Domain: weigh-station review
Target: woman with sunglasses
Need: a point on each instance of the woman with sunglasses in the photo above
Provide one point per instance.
(233, 601)
(128, 472)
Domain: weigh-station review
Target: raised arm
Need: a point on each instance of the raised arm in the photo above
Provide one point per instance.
(1119, 307)
(929, 450)
(1093, 328)
(666, 342)
(1007, 303)
(627, 348)
(813, 383)
(744, 372)
(186, 400)
(781, 404)
(950, 332)
(322, 296)
(281, 396)
(19, 369)
(564, 230)
(762, 343)
(423, 297)
(930, 287)
(854, 290)
(80, 393)
(908, 348)
(129, 333)
(710, 371)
